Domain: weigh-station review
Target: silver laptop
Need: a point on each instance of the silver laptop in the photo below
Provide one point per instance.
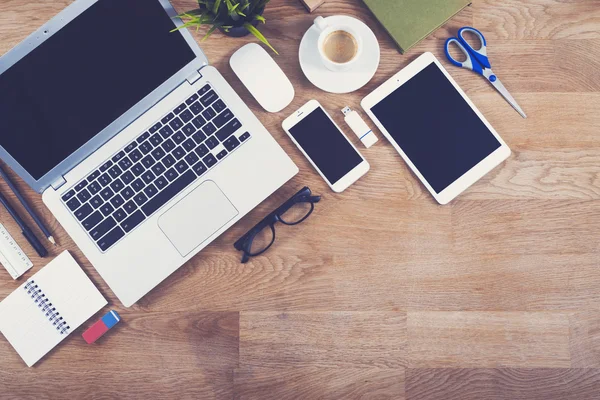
(143, 152)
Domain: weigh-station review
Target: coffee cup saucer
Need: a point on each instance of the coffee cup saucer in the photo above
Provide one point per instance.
(345, 81)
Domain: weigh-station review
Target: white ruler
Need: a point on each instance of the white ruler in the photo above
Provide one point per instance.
(12, 256)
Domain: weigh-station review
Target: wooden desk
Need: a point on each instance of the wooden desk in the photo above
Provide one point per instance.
(495, 296)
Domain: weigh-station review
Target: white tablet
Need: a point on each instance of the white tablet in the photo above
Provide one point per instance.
(436, 128)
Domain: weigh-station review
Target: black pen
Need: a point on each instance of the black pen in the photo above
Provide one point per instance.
(27, 207)
(31, 238)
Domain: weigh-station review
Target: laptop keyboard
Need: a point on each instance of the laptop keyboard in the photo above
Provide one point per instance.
(161, 162)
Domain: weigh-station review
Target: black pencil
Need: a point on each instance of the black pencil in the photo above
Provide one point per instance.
(27, 232)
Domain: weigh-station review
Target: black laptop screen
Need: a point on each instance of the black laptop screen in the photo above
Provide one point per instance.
(84, 77)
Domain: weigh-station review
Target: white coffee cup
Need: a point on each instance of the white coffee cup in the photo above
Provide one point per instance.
(325, 30)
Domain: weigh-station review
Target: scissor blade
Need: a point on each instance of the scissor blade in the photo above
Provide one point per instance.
(500, 87)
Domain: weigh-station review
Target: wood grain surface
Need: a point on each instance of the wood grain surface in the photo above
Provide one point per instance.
(382, 293)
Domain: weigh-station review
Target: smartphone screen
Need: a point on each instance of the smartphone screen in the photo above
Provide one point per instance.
(325, 145)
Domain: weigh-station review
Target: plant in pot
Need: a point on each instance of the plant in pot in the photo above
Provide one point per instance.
(235, 18)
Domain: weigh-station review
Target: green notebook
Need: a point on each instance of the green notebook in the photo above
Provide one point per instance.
(410, 21)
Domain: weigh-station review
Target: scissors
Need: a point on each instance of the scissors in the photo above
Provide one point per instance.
(477, 61)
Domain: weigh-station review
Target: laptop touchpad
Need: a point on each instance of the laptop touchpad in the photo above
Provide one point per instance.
(196, 217)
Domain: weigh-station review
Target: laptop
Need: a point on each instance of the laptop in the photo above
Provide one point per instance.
(142, 151)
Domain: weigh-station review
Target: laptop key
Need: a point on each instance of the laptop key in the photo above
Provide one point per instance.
(231, 143)
(148, 161)
(169, 192)
(223, 118)
(148, 177)
(209, 129)
(117, 201)
(191, 158)
(196, 108)
(166, 131)
(127, 177)
(117, 185)
(219, 106)
(134, 220)
(168, 160)
(171, 174)
(94, 187)
(83, 212)
(68, 195)
(161, 182)
(178, 153)
(115, 171)
(130, 147)
(199, 168)
(209, 114)
(146, 147)
(181, 166)
(186, 116)
(167, 118)
(150, 190)
(81, 185)
(178, 137)
(138, 185)
(127, 193)
(135, 155)
(158, 153)
(106, 209)
(199, 121)
(228, 129)
(156, 139)
(189, 130)
(107, 193)
(212, 142)
(125, 163)
(176, 124)
(84, 195)
(155, 127)
(189, 145)
(208, 98)
(110, 239)
(143, 137)
(204, 90)
(118, 156)
(73, 204)
(199, 137)
(192, 99)
(222, 154)
(244, 137)
(130, 207)
(92, 221)
(103, 228)
(202, 150)
(140, 199)
(180, 108)
(158, 169)
(106, 166)
(96, 201)
(93, 176)
(168, 145)
(209, 160)
(119, 215)
(138, 169)
(104, 179)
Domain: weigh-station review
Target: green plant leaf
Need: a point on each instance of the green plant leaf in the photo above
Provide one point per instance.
(216, 6)
(260, 18)
(259, 36)
(209, 32)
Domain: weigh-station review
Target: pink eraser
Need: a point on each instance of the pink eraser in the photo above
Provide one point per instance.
(97, 330)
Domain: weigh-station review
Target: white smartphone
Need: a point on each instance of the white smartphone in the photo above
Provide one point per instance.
(320, 139)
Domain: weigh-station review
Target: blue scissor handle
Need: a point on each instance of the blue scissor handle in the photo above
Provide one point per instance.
(480, 54)
(476, 59)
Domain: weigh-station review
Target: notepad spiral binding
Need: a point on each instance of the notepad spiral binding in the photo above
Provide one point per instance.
(45, 305)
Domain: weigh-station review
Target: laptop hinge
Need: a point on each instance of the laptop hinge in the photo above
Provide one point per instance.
(194, 77)
(58, 183)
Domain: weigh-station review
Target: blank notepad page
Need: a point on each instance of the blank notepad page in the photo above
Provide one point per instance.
(48, 307)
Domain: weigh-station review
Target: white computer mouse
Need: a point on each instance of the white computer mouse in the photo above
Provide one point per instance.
(262, 77)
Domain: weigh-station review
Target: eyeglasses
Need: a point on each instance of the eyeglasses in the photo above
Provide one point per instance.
(294, 211)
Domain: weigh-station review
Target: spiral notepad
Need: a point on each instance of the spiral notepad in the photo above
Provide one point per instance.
(48, 307)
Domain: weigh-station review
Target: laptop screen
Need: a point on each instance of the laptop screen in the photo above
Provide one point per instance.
(84, 77)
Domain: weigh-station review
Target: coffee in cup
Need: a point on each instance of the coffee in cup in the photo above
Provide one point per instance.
(339, 45)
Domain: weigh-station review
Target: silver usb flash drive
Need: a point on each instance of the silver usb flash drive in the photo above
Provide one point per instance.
(359, 127)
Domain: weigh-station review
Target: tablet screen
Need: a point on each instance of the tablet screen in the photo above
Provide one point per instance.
(436, 128)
